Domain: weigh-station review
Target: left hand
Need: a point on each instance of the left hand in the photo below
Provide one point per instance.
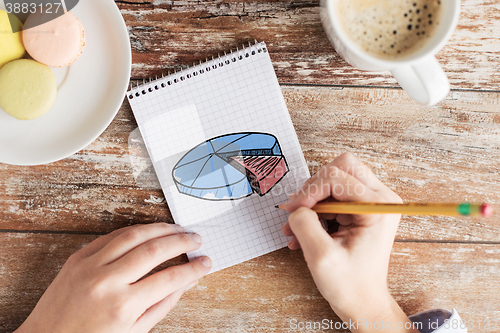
(101, 288)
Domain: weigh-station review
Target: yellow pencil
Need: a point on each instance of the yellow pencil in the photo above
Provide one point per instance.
(460, 209)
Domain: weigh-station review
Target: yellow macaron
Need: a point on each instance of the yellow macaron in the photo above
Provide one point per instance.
(11, 44)
(28, 89)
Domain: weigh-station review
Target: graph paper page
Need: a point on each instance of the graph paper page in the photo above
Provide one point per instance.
(225, 151)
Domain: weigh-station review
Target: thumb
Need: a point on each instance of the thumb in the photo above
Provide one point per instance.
(313, 239)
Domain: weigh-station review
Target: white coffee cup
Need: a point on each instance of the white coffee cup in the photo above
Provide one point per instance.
(419, 74)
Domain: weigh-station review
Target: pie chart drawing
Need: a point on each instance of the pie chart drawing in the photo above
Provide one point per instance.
(231, 167)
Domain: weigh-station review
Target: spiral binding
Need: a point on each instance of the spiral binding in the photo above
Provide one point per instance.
(196, 70)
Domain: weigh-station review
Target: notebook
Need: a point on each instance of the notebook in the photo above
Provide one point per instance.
(224, 149)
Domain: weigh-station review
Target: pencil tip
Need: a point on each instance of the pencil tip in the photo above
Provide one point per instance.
(277, 206)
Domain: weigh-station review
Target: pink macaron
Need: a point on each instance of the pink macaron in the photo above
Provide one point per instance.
(56, 43)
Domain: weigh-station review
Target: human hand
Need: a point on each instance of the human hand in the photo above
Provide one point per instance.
(349, 266)
(99, 289)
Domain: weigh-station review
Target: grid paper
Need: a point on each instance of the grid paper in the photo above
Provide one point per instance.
(238, 92)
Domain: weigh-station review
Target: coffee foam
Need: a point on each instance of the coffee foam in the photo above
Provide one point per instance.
(390, 29)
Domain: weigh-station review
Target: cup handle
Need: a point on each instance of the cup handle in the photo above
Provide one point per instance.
(425, 81)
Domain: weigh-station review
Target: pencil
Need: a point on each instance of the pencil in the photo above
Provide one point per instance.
(433, 209)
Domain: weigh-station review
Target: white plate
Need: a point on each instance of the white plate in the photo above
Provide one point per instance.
(90, 93)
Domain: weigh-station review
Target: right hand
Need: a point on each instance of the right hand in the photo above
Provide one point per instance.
(350, 266)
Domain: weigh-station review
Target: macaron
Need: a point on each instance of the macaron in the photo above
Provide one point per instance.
(11, 44)
(28, 89)
(58, 42)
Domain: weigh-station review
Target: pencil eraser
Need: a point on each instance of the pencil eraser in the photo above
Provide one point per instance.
(486, 210)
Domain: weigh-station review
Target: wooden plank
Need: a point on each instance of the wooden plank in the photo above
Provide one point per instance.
(93, 191)
(167, 35)
(265, 293)
(445, 153)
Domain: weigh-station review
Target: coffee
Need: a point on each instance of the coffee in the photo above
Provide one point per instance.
(390, 29)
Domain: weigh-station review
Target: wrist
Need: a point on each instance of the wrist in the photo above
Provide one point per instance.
(32, 324)
(376, 314)
(362, 306)
(22, 329)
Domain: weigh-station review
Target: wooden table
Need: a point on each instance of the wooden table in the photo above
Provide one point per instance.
(448, 152)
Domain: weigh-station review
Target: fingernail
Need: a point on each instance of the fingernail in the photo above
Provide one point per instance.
(196, 238)
(179, 228)
(206, 261)
(294, 195)
(191, 285)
